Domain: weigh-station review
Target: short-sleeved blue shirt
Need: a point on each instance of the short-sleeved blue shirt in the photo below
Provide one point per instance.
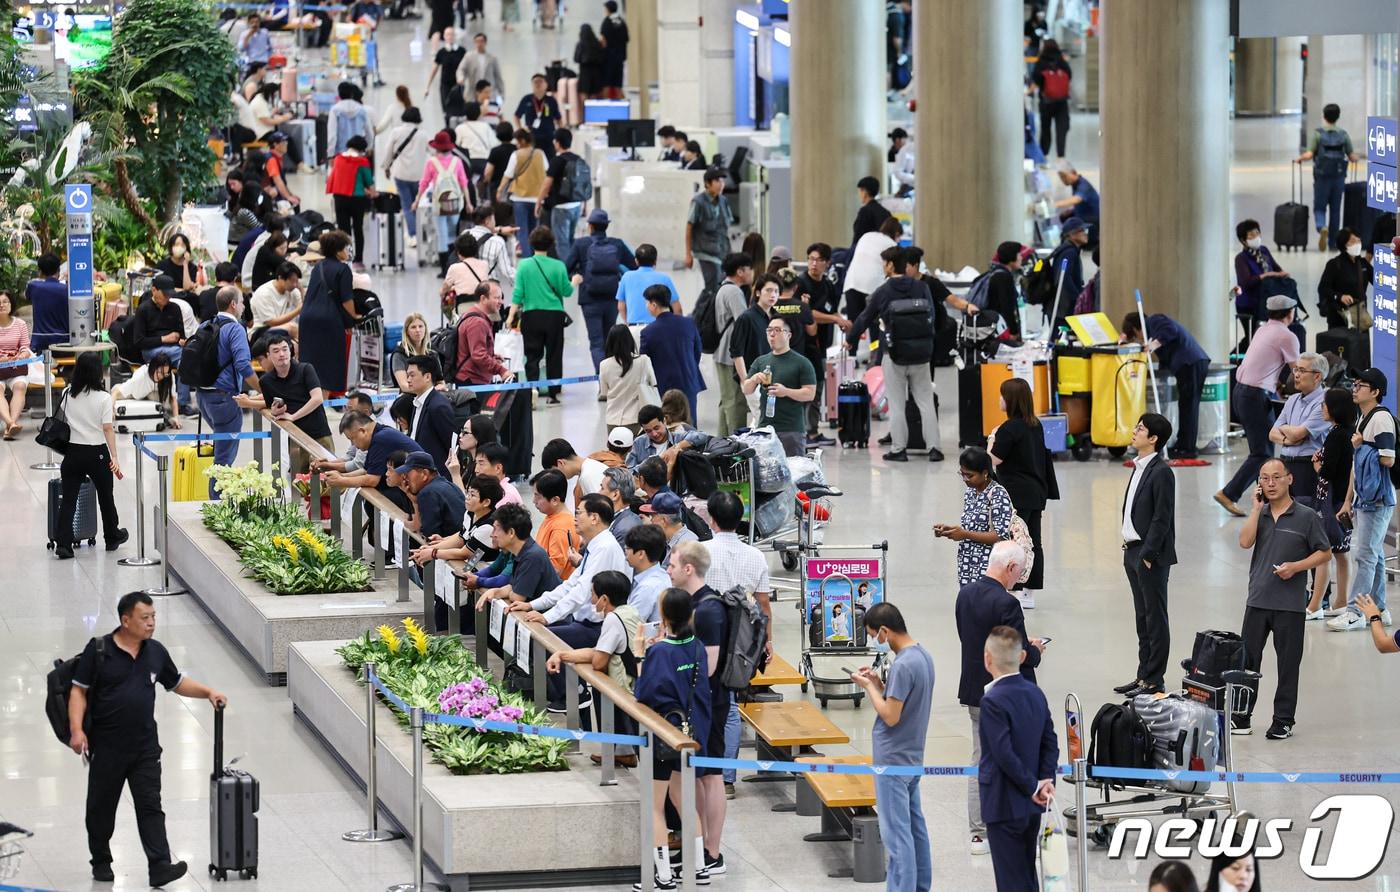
(910, 682)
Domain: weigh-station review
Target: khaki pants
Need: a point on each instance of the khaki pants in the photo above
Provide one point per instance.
(975, 824)
(299, 462)
(900, 382)
(733, 406)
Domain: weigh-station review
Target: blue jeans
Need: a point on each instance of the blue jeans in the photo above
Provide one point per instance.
(174, 351)
(1327, 204)
(1368, 548)
(447, 231)
(905, 834)
(732, 727)
(223, 416)
(564, 222)
(408, 201)
(599, 317)
(524, 222)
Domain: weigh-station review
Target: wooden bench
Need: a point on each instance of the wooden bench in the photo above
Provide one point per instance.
(778, 672)
(780, 732)
(846, 804)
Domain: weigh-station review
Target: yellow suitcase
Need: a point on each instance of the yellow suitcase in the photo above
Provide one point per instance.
(1119, 378)
(188, 482)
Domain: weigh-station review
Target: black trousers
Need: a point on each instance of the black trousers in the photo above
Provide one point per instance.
(543, 334)
(1054, 112)
(855, 305)
(1012, 845)
(576, 635)
(1256, 414)
(110, 770)
(1189, 382)
(1287, 629)
(1037, 577)
(1304, 477)
(83, 463)
(350, 213)
(1149, 587)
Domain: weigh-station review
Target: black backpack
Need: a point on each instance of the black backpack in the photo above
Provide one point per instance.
(578, 180)
(122, 333)
(695, 523)
(746, 647)
(443, 342)
(603, 267)
(60, 681)
(1120, 738)
(909, 330)
(1044, 278)
(199, 363)
(706, 316)
(694, 475)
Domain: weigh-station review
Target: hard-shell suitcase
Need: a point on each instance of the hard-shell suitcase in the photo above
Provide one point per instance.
(84, 519)
(1291, 221)
(233, 814)
(188, 482)
(970, 406)
(853, 414)
(384, 245)
(838, 369)
(138, 416)
(511, 410)
(113, 310)
(915, 419)
(875, 383)
(1185, 736)
(1351, 344)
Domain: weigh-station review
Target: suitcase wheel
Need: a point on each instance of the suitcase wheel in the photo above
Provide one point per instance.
(789, 561)
(1118, 451)
(823, 702)
(1082, 449)
(92, 541)
(249, 874)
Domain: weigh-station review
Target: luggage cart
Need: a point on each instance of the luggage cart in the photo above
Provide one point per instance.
(835, 593)
(368, 368)
(11, 852)
(1148, 799)
(772, 525)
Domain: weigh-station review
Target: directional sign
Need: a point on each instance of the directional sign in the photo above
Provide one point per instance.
(1387, 320)
(1381, 138)
(77, 203)
(1382, 188)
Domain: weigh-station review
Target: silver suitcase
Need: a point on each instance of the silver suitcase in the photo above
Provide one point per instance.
(138, 416)
(1185, 736)
(384, 241)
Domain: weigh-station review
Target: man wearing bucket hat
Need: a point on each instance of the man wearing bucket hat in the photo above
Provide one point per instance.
(596, 262)
(1274, 345)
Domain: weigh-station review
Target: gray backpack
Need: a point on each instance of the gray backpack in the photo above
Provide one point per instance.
(747, 644)
(1331, 156)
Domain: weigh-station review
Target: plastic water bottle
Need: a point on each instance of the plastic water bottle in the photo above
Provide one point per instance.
(415, 46)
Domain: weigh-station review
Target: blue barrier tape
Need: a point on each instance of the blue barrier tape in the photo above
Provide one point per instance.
(527, 385)
(4, 888)
(12, 363)
(389, 695)
(149, 454)
(211, 436)
(438, 718)
(1248, 777)
(844, 768)
(853, 399)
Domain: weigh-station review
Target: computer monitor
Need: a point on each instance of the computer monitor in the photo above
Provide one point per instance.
(629, 133)
(601, 111)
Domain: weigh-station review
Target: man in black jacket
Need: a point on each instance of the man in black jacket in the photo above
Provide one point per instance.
(983, 605)
(906, 313)
(871, 213)
(1149, 550)
(433, 427)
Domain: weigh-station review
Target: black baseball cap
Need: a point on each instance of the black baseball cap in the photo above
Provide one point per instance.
(1375, 378)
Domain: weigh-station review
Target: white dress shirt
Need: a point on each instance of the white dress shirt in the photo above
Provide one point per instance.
(418, 402)
(572, 598)
(1130, 533)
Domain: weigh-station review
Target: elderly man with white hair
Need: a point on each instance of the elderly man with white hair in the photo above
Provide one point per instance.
(982, 605)
(1300, 428)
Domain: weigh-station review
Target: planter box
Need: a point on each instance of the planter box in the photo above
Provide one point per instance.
(262, 624)
(495, 830)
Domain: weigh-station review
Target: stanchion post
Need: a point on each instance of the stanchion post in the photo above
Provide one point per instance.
(336, 496)
(483, 630)
(606, 708)
(1081, 820)
(162, 474)
(357, 524)
(688, 829)
(416, 720)
(373, 834)
(276, 448)
(139, 440)
(571, 703)
(257, 444)
(404, 563)
(48, 464)
(381, 533)
(644, 829)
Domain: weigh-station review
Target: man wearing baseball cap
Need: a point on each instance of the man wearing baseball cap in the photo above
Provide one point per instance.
(667, 511)
(596, 262)
(159, 330)
(1370, 500)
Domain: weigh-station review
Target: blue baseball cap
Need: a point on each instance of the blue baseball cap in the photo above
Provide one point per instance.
(667, 503)
(420, 460)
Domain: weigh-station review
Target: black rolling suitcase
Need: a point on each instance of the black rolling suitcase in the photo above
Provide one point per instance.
(233, 814)
(853, 414)
(1291, 223)
(511, 411)
(84, 519)
(970, 406)
(1352, 345)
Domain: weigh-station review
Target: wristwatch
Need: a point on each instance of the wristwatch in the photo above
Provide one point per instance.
(1374, 619)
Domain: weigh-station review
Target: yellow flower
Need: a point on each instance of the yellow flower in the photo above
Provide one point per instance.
(291, 548)
(390, 639)
(417, 635)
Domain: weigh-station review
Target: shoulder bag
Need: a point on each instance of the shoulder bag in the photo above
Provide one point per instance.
(665, 753)
(399, 151)
(55, 433)
(568, 320)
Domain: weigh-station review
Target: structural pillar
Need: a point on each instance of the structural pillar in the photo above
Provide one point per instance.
(837, 114)
(969, 139)
(643, 29)
(680, 76)
(1165, 193)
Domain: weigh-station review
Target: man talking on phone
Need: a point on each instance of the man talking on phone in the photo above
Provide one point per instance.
(112, 724)
(1288, 541)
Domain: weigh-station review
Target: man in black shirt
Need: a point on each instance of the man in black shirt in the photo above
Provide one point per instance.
(112, 724)
(871, 213)
(160, 328)
(224, 274)
(821, 296)
(445, 64)
(293, 393)
(563, 209)
(539, 113)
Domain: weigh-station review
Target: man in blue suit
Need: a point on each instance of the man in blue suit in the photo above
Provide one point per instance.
(673, 344)
(1017, 771)
(433, 427)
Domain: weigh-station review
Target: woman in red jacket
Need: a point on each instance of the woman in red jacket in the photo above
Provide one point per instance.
(351, 183)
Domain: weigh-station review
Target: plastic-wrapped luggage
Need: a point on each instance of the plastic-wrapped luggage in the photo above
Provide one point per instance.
(774, 512)
(771, 472)
(1185, 736)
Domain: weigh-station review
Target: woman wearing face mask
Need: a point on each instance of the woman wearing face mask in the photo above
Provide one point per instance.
(1341, 292)
(1229, 874)
(179, 264)
(1259, 277)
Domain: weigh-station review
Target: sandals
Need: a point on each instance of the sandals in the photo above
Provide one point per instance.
(11, 431)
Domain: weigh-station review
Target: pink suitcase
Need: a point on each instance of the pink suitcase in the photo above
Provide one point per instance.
(289, 84)
(837, 370)
(875, 383)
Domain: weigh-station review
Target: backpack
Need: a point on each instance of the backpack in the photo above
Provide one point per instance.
(578, 180)
(1394, 469)
(443, 342)
(199, 363)
(447, 192)
(695, 523)
(745, 651)
(602, 267)
(1056, 84)
(706, 316)
(122, 333)
(981, 288)
(1044, 278)
(694, 475)
(1088, 299)
(1120, 739)
(60, 682)
(909, 324)
(348, 124)
(1331, 156)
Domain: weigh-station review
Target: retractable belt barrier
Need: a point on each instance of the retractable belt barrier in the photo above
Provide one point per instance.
(481, 388)
(14, 363)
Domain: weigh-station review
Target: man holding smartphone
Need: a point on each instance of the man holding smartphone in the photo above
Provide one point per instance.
(1288, 541)
(291, 390)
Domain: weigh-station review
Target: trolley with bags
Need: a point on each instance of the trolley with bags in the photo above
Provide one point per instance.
(836, 591)
(1187, 730)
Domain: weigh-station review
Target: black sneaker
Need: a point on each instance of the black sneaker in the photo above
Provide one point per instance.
(714, 866)
(168, 873)
(556, 707)
(1125, 688)
(901, 455)
(118, 540)
(1279, 731)
(63, 552)
(886, 440)
(814, 440)
(935, 454)
(102, 873)
(1240, 725)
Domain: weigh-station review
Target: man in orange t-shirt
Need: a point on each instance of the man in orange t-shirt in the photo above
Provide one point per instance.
(556, 534)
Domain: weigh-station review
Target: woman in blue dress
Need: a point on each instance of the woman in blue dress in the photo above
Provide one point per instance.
(327, 310)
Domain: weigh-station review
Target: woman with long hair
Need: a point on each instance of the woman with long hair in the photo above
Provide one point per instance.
(590, 57)
(327, 309)
(675, 408)
(413, 343)
(394, 112)
(14, 344)
(625, 379)
(1231, 874)
(986, 515)
(445, 176)
(240, 208)
(154, 379)
(1024, 468)
(1333, 467)
(91, 455)
(479, 431)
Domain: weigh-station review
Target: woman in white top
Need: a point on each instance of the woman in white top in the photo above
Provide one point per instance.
(264, 117)
(866, 271)
(626, 380)
(394, 112)
(151, 380)
(91, 455)
(408, 153)
(14, 344)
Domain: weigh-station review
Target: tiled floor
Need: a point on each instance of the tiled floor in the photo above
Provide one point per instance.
(48, 609)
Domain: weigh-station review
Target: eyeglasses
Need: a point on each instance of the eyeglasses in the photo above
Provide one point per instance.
(1273, 478)
(1140, 428)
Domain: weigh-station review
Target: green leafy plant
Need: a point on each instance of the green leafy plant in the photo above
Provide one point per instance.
(438, 674)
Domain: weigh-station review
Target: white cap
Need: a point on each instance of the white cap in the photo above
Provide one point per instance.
(620, 438)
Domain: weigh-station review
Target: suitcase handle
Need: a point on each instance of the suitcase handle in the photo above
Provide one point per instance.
(218, 743)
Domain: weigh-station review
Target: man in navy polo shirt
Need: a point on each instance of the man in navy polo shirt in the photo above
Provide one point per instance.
(378, 441)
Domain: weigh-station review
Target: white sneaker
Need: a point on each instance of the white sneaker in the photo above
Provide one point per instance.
(1310, 615)
(410, 243)
(1026, 598)
(1347, 622)
(1385, 619)
(977, 845)
(1334, 611)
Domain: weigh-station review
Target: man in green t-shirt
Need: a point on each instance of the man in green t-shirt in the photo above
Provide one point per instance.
(786, 382)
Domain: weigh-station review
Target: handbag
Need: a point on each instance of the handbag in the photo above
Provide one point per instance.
(665, 753)
(568, 320)
(55, 433)
(399, 151)
(1360, 317)
(1054, 851)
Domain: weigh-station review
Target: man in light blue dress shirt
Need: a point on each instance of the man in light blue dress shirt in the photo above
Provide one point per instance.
(1300, 429)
